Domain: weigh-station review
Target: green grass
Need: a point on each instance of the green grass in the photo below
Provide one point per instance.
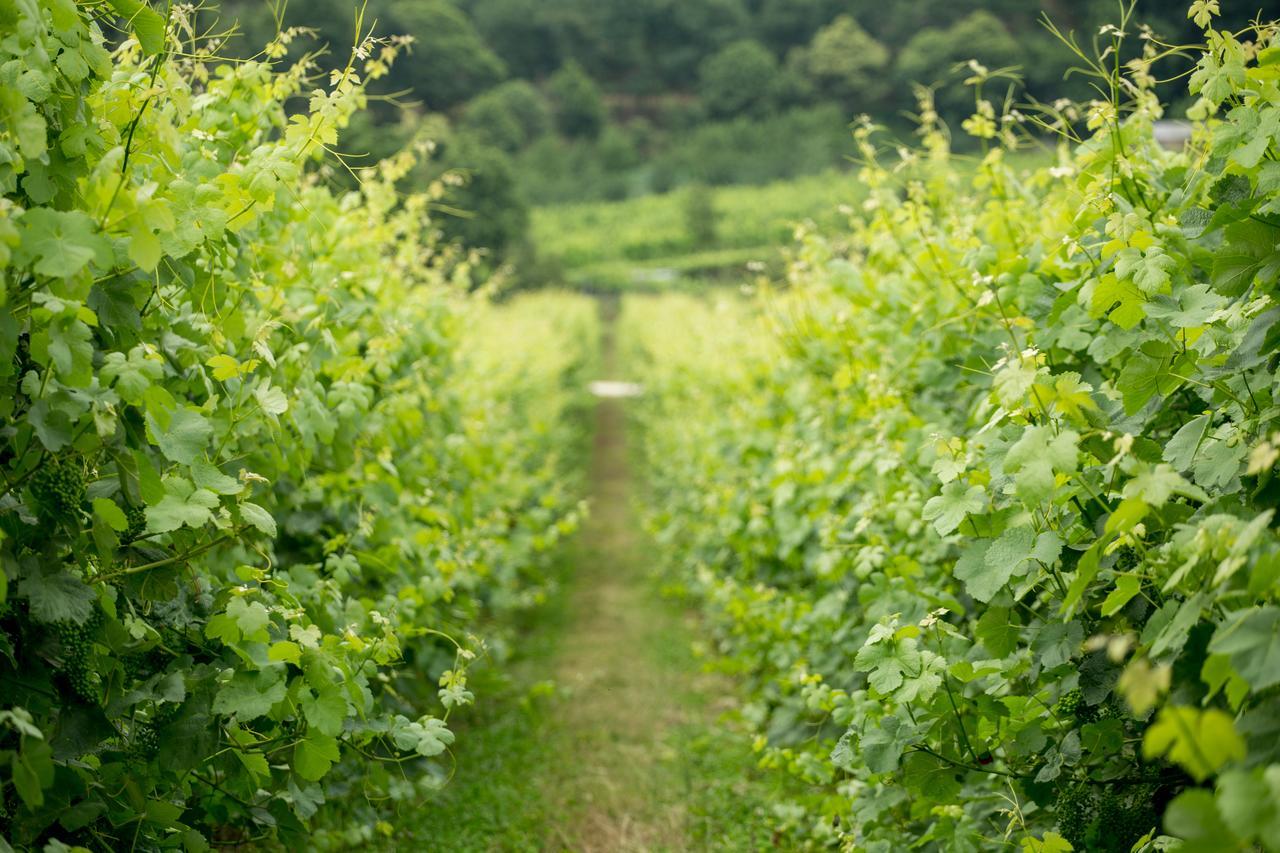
(643, 243)
(605, 733)
(650, 232)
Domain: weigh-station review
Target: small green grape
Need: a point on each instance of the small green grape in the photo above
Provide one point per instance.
(145, 742)
(1124, 817)
(77, 646)
(57, 488)
(1126, 558)
(1068, 703)
(1076, 810)
(137, 519)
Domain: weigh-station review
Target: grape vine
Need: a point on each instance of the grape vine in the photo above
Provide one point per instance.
(265, 499)
(981, 502)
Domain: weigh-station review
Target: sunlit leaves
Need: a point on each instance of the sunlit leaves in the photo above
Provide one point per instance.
(1119, 300)
(189, 367)
(1200, 742)
(131, 374)
(250, 694)
(60, 244)
(182, 433)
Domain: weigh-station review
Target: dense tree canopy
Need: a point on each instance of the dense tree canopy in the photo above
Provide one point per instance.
(665, 77)
(845, 64)
(738, 79)
(579, 108)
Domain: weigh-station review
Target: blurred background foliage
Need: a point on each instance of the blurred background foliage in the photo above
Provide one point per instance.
(553, 101)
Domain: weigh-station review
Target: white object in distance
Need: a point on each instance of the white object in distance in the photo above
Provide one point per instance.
(613, 389)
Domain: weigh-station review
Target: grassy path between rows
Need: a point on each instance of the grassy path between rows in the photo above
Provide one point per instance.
(608, 735)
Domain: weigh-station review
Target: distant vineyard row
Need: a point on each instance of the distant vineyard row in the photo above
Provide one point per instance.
(267, 470)
(984, 510)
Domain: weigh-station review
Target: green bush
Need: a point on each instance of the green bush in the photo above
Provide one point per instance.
(264, 497)
(701, 219)
(846, 64)
(980, 506)
(485, 208)
(738, 79)
(579, 109)
(510, 116)
(936, 57)
(447, 63)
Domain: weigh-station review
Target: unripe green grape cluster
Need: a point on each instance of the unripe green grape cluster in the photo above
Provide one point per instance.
(57, 487)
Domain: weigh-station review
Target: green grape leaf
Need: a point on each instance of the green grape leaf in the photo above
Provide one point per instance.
(314, 755)
(935, 780)
(1181, 450)
(948, 509)
(146, 23)
(1219, 458)
(883, 743)
(255, 763)
(258, 517)
(1051, 843)
(1201, 742)
(208, 476)
(1250, 254)
(271, 399)
(108, 511)
(1127, 586)
(325, 709)
(131, 375)
(1249, 802)
(1035, 456)
(1149, 271)
(1119, 300)
(57, 595)
(1218, 675)
(33, 771)
(1057, 643)
(1154, 486)
(66, 344)
(182, 506)
(986, 567)
(59, 244)
(998, 635)
(1193, 818)
(64, 14)
(427, 736)
(285, 651)
(1251, 640)
(185, 437)
(249, 695)
(251, 618)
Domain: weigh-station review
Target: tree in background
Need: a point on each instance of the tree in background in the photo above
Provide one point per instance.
(449, 63)
(740, 78)
(845, 64)
(784, 24)
(933, 55)
(579, 109)
(680, 34)
(531, 36)
(488, 211)
(509, 116)
(842, 57)
(701, 218)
